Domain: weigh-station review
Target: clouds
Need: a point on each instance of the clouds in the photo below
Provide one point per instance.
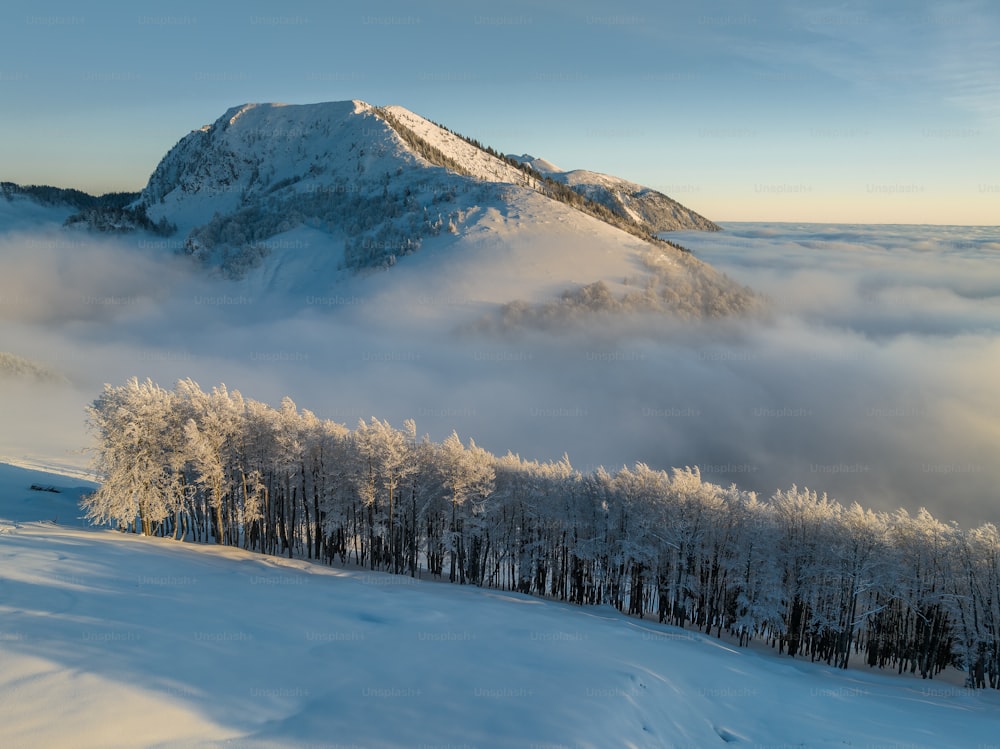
(883, 340)
(873, 378)
(58, 276)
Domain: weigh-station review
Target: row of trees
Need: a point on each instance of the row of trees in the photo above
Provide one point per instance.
(121, 219)
(48, 195)
(807, 574)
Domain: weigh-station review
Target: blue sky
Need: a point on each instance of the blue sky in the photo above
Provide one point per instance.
(883, 112)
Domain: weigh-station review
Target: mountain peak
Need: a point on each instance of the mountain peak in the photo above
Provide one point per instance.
(256, 148)
(369, 185)
(291, 111)
(234, 113)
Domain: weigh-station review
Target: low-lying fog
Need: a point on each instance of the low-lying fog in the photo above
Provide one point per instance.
(874, 379)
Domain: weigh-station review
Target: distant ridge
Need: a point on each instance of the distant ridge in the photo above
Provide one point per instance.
(60, 196)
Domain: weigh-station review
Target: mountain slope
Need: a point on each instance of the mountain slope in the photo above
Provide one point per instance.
(262, 170)
(254, 151)
(58, 196)
(298, 198)
(115, 640)
(643, 205)
(610, 199)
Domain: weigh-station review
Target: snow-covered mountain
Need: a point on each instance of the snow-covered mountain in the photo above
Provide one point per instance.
(644, 205)
(300, 197)
(294, 200)
(256, 150)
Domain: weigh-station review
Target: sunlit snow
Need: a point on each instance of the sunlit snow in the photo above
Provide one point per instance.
(115, 640)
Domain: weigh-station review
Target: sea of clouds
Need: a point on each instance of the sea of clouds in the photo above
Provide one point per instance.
(872, 378)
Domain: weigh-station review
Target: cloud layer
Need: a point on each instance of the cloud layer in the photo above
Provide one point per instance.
(872, 379)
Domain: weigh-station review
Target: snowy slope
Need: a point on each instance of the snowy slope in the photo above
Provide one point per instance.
(20, 503)
(477, 162)
(254, 150)
(642, 204)
(336, 150)
(235, 186)
(542, 166)
(296, 199)
(112, 640)
(515, 249)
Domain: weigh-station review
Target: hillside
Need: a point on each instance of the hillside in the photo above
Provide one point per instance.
(304, 201)
(113, 640)
(644, 205)
(297, 199)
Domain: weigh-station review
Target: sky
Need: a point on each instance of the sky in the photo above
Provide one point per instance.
(867, 112)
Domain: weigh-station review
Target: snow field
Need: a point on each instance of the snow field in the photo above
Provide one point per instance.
(112, 640)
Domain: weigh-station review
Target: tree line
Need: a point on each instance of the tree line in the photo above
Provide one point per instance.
(808, 575)
(48, 195)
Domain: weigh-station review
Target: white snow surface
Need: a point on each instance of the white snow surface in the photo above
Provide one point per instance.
(591, 182)
(539, 165)
(259, 150)
(110, 641)
(476, 161)
(302, 163)
(508, 241)
(254, 150)
(526, 248)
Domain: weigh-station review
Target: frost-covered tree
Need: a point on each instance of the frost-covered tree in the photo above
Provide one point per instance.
(468, 476)
(383, 458)
(141, 482)
(812, 577)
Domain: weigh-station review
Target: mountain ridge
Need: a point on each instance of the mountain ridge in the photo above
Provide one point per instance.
(297, 200)
(255, 155)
